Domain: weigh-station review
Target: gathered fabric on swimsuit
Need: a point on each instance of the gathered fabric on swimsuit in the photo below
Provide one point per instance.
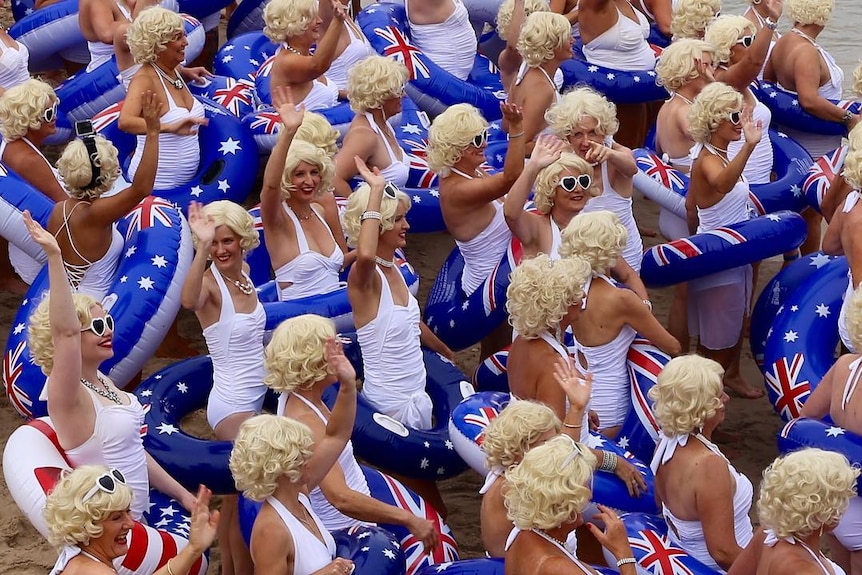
(116, 442)
(235, 344)
(331, 517)
(357, 50)
(623, 46)
(101, 52)
(689, 534)
(822, 561)
(399, 168)
(179, 156)
(310, 554)
(392, 360)
(310, 273)
(612, 201)
(92, 278)
(483, 252)
(849, 203)
(13, 65)
(758, 168)
(450, 44)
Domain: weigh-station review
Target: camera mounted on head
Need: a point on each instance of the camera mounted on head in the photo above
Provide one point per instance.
(84, 131)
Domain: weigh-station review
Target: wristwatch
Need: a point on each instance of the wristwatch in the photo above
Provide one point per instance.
(770, 23)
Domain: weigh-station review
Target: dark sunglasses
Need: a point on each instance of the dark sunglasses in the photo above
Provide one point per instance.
(100, 325)
(481, 139)
(50, 114)
(106, 482)
(746, 41)
(390, 190)
(735, 118)
(571, 183)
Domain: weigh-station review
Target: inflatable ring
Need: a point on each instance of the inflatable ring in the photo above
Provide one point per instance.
(144, 300)
(265, 124)
(236, 96)
(722, 249)
(770, 304)
(619, 86)
(820, 175)
(800, 347)
(48, 31)
(241, 57)
(787, 111)
(228, 156)
(804, 432)
(248, 17)
(18, 195)
(32, 463)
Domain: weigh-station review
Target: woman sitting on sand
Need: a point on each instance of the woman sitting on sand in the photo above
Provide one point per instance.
(610, 317)
(442, 30)
(545, 497)
(704, 500)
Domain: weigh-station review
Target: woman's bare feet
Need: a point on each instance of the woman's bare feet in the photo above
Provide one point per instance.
(741, 388)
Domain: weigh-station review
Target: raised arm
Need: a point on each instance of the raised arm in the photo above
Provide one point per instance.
(291, 116)
(306, 69)
(359, 141)
(363, 271)
(625, 274)
(204, 524)
(525, 226)
(194, 296)
(722, 179)
(746, 71)
(101, 20)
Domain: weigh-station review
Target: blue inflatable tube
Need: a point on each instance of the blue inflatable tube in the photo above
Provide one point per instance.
(821, 174)
(48, 31)
(801, 346)
(248, 17)
(619, 86)
(654, 551)
(236, 96)
(228, 156)
(804, 432)
(22, 8)
(787, 111)
(722, 248)
(202, 8)
(144, 300)
(242, 56)
(264, 124)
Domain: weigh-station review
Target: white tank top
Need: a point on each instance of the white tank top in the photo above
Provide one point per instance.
(310, 554)
(611, 201)
(310, 272)
(732, 208)
(483, 252)
(758, 169)
(179, 156)
(13, 65)
(331, 517)
(101, 52)
(450, 44)
(116, 442)
(623, 46)
(235, 344)
(357, 50)
(398, 169)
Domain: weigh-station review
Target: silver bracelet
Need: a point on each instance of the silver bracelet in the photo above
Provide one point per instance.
(609, 461)
(518, 135)
(370, 215)
(626, 561)
(770, 23)
(648, 303)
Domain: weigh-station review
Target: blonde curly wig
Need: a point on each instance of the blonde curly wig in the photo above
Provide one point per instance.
(267, 447)
(540, 292)
(710, 108)
(853, 161)
(690, 18)
(73, 521)
(39, 336)
(809, 11)
(598, 237)
(724, 32)
(295, 357)
(237, 219)
(358, 202)
(545, 187)
(151, 30)
(515, 430)
(316, 130)
(688, 392)
(551, 485)
(373, 81)
(565, 116)
(76, 171)
(678, 63)
(450, 134)
(285, 19)
(22, 107)
(541, 36)
(804, 491)
(857, 81)
(504, 14)
(302, 151)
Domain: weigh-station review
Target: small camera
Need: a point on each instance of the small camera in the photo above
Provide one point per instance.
(84, 128)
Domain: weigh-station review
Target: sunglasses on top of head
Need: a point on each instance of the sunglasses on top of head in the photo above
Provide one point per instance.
(106, 482)
(571, 183)
(100, 325)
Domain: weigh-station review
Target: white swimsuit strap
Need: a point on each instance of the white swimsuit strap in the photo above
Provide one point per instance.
(850, 201)
(313, 407)
(772, 539)
(548, 77)
(562, 548)
(297, 226)
(852, 382)
(38, 151)
(555, 344)
(393, 158)
(227, 299)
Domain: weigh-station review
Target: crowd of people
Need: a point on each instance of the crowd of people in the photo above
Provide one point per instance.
(571, 154)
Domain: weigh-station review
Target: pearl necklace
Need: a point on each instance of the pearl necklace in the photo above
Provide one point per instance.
(177, 82)
(547, 537)
(387, 264)
(290, 48)
(104, 391)
(804, 35)
(245, 287)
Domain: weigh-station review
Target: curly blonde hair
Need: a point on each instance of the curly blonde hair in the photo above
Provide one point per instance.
(857, 81)
(853, 161)
(575, 105)
(267, 447)
(504, 13)
(22, 108)
(316, 130)
(302, 151)
(598, 237)
(804, 491)
(237, 220)
(288, 18)
(151, 30)
(358, 202)
(295, 357)
(39, 336)
(73, 521)
(450, 134)
(545, 187)
(515, 430)
(809, 11)
(724, 32)
(540, 292)
(76, 171)
(373, 81)
(678, 63)
(541, 36)
(687, 393)
(690, 18)
(710, 108)
(551, 485)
